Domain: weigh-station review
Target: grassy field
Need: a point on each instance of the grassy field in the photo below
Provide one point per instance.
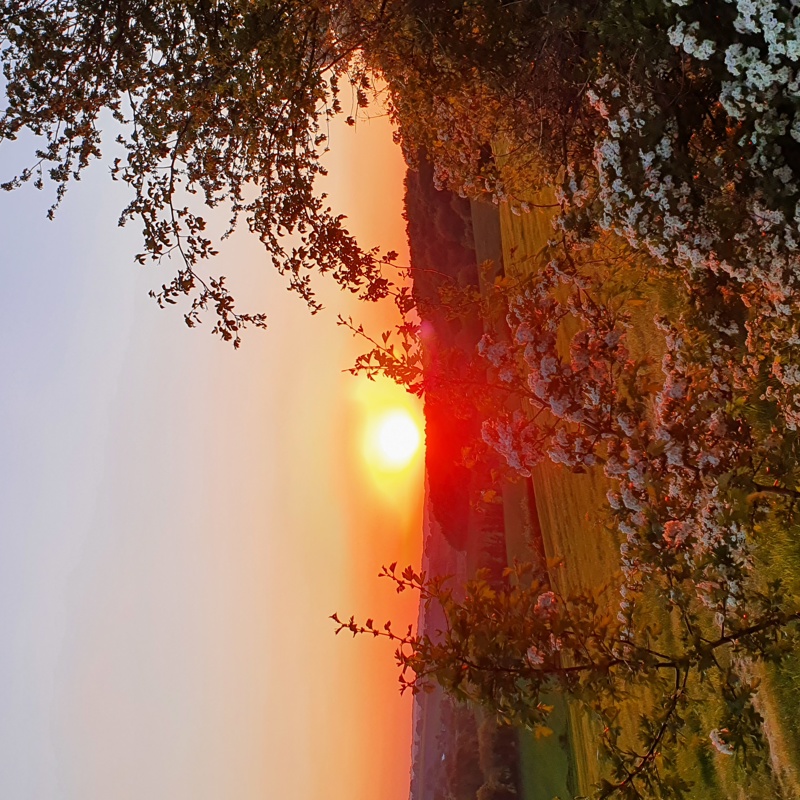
(546, 763)
(569, 510)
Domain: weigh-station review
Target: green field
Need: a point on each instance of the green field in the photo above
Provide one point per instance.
(569, 510)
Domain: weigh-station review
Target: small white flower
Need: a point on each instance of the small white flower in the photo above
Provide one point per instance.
(719, 743)
(535, 656)
(546, 605)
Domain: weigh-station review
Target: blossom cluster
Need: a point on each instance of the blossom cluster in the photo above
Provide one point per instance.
(707, 187)
(579, 393)
(672, 454)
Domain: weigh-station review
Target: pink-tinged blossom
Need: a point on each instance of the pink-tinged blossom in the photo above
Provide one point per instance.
(559, 405)
(515, 438)
(629, 499)
(496, 353)
(675, 533)
(524, 333)
(548, 366)
(546, 605)
(534, 656)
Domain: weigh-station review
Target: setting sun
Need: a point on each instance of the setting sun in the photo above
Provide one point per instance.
(398, 439)
(390, 438)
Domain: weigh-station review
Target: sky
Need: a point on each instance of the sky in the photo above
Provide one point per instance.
(178, 520)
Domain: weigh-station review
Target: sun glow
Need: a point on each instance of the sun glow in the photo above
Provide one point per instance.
(397, 439)
(392, 438)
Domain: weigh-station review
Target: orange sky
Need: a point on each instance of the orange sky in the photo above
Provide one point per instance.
(350, 735)
(384, 511)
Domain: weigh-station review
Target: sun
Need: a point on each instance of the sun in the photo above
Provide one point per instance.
(397, 439)
(391, 437)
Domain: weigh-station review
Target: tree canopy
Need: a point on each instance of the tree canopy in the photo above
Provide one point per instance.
(222, 102)
(675, 124)
(510, 646)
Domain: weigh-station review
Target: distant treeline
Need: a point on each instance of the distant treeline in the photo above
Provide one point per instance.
(439, 225)
(480, 757)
